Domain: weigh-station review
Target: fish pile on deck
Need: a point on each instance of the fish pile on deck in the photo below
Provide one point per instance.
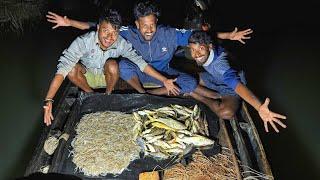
(171, 130)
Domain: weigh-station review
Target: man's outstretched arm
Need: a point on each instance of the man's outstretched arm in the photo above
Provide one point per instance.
(60, 21)
(65, 21)
(235, 35)
(54, 86)
(266, 115)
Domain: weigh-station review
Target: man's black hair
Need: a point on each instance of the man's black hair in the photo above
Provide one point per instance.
(200, 37)
(111, 16)
(145, 8)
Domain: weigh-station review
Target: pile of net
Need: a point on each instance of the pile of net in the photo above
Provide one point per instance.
(104, 143)
(217, 167)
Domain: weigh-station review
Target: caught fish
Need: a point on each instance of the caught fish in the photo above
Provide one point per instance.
(196, 112)
(154, 132)
(174, 150)
(177, 145)
(146, 131)
(155, 138)
(186, 132)
(137, 117)
(196, 140)
(162, 144)
(206, 126)
(166, 108)
(158, 155)
(150, 148)
(169, 122)
(182, 118)
(188, 110)
(163, 126)
(172, 130)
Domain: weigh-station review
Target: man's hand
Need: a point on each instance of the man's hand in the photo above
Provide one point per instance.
(58, 20)
(270, 117)
(47, 115)
(240, 35)
(171, 87)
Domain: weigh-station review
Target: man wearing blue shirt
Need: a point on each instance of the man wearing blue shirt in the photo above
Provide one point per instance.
(219, 76)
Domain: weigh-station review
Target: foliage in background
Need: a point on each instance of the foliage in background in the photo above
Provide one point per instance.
(17, 15)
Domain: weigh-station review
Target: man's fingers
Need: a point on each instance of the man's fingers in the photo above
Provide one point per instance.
(242, 41)
(266, 126)
(51, 117)
(235, 30)
(46, 121)
(274, 126)
(279, 116)
(53, 14)
(175, 92)
(52, 21)
(50, 17)
(246, 37)
(55, 26)
(266, 102)
(279, 122)
(176, 88)
(174, 80)
(248, 31)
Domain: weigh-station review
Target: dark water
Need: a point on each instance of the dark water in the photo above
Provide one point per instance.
(281, 62)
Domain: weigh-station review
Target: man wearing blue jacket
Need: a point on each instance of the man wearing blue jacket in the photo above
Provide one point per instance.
(220, 77)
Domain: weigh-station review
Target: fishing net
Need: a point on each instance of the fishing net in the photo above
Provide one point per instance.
(104, 143)
(219, 166)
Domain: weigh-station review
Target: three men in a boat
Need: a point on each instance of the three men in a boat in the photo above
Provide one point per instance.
(157, 45)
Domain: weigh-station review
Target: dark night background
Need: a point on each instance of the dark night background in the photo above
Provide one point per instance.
(281, 62)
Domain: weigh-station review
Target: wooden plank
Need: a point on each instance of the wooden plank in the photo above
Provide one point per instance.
(225, 141)
(255, 139)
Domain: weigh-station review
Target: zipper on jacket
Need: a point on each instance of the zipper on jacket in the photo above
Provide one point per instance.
(150, 51)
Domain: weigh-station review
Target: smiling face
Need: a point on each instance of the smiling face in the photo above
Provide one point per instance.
(147, 26)
(107, 34)
(200, 52)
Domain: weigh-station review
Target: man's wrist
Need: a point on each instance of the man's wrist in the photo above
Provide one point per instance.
(69, 21)
(164, 80)
(47, 101)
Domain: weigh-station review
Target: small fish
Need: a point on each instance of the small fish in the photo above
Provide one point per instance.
(196, 112)
(196, 140)
(146, 131)
(174, 150)
(162, 144)
(186, 132)
(166, 108)
(155, 138)
(163, 126)
(169, 122)
(150, 148)
(137, 117)
(158, 155)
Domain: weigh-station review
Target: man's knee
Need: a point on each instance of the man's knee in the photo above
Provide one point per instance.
(75, 72)
(127, 69)
(226, 113)
(111, 67)
(187, 83)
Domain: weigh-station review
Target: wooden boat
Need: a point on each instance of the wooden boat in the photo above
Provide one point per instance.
(240, 136)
